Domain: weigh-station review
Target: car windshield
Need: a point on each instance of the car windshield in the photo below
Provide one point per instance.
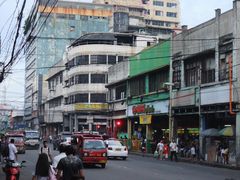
(32, 135)
(93, 144)
(114, 143)
(16, 139)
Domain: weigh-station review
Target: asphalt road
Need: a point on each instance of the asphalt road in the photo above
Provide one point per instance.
(139, 168)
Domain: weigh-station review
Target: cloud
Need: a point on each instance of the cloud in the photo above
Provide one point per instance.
(196, 12)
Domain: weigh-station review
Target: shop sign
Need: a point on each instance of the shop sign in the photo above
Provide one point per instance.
(80, 106)
(142, 109)
(145, 119)
(157, 107)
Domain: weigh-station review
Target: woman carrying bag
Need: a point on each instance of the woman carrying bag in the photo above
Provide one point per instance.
(43, 170)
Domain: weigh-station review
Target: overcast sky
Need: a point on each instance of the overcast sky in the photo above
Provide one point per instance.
(193, 12)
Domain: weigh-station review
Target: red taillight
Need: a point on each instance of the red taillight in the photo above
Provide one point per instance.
(110, 148)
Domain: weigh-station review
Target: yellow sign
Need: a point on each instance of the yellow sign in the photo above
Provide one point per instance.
(145, 119)
(80, 107)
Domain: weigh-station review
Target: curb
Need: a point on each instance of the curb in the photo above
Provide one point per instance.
(203, 163)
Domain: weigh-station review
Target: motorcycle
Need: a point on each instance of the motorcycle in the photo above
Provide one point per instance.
(12, 169)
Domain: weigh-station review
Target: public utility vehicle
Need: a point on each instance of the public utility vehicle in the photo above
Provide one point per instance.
(18, 137)
(90, 148)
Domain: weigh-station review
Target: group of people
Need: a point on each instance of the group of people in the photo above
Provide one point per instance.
(163, 150)
(65, 166)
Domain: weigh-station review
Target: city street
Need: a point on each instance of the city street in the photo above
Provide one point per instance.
(139, 168)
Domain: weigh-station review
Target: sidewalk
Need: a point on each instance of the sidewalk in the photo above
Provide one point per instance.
(205, 163)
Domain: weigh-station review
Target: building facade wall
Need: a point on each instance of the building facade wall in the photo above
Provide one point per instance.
(67, 21)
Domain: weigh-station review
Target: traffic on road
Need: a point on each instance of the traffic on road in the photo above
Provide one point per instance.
(109, 159)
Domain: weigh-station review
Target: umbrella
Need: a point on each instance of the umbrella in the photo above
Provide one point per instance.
(227, 131)
(210, 132)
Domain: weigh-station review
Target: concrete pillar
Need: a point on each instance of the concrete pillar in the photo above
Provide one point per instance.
(182, 74)
(129, 131)
(238, 139)
(217, 30)
(236, 70)
(202, 127)
(148, 132)
(129, 128)
(76, 123)
(90, 123)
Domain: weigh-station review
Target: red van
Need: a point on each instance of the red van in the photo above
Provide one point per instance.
(18, 140)
(90, 148)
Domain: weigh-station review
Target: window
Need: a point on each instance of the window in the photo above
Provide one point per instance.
(98, 98)
(111, 59)
(137, 86)
(61, 16)
(72, 17)
(208, 70)
(171, 14)
(158, 3)
(172, 5)
(71, 63)
(159, 13)
(192, 73)
(61, 77)
(121, 92)
(98, 78)
(98, 59)
(158, 23)
(82, 60)
(168, 24)
(55, 102)
(122, 58)
(176, 71)
(223, 67)
(157, 80)
(81, 98)
(84, 18)
(81, 79)
(71, 81)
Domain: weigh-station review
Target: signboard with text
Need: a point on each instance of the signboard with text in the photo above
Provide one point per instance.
(80, 106)
(148, 108)
(145, 119)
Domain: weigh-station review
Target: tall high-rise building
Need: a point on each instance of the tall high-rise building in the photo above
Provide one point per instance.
(151, 16)
(49, 29)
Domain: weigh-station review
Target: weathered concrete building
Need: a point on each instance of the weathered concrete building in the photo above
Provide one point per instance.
(151, 16)
(49, 29)
(78, 93)
(205, 81)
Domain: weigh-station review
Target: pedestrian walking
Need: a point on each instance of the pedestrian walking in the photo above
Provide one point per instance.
(165, 151)
(225, 155)
(143, 146)
(193, 152)
(43, 169)
(160, 146)
(45, 149)
(70, 167)
(61, 155)
(173, 150)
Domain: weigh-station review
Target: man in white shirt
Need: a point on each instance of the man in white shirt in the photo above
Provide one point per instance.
(160, 149)
(173, 149)
(12, 151)
(57, 158)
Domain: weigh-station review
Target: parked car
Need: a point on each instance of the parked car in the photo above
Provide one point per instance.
(115, 149)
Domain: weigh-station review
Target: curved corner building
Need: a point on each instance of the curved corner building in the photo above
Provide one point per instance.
(87, 61)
